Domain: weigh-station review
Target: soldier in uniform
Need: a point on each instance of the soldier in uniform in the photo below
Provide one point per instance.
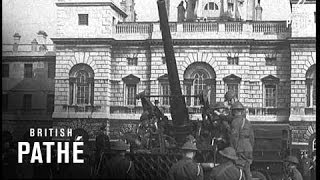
(242, 138)
(102, 144)
(119, 167)
(186, 168)
(290, 165)
(221, 125)
(227, 170)
(306, 164)
(230, 98)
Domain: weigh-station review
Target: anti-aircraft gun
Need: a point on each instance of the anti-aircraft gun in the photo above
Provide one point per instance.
(178, 109)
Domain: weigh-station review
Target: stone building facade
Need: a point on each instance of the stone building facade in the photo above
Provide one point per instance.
(28, 72)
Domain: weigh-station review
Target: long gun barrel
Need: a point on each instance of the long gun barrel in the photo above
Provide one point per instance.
(178, 107)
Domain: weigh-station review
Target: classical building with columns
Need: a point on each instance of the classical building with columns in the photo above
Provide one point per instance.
(102, 62)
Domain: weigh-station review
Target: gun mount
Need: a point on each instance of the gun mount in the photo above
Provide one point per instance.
(178, 109)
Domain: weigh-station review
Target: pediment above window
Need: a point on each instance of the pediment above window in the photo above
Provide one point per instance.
(163, 78)
(232, 79)
(131, 79)
(270, 79)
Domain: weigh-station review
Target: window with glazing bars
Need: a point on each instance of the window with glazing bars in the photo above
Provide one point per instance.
(233, 60)
(131, 92)
(270, 93)
(83, 19)
(165, 90)
(198, 85)
(82, 88)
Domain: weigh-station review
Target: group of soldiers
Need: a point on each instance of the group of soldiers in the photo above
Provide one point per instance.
(236, 153)
(237, 139)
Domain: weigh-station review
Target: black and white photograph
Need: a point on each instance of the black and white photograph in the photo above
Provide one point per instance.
(159, 89)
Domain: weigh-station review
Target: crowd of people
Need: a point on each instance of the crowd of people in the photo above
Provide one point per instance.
(236, 157)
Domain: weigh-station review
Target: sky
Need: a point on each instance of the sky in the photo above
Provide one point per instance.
(27, 17)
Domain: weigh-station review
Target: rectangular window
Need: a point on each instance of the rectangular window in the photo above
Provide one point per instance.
(233, 87)
(27, 102)
(188, 92)
(28, 71)
(270, 92)
(131, 93)
(165, 90)
(4, 102)
(233, 60)
(83, 19)
(132, 61)
(51, 70)
(270, 61)
(308, 94)
(163, 60)
(314, 91)
(5, 70)
(50, 103)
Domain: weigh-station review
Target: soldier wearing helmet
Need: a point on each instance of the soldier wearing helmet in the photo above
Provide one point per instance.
(227, 170)
(221, 126)
(290, 165)
(119, 166)
(186, 168)
(230, 98)
(242, 137)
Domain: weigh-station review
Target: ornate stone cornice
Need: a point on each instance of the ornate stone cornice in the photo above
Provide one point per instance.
(73, 4)
(82, 41)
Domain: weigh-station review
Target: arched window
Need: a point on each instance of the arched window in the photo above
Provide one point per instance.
(199, 77)
(211, 6)
(311, 86)
(198, 85)
(81, 85)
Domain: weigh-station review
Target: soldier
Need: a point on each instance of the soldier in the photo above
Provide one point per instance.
(186, 168)
(292, 173)
(230, 98)
(102, 144)
(227, 170)
(119, 167)
(242, 138)
(306, 164)
(221, 125)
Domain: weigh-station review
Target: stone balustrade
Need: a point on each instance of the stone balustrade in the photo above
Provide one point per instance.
(200, 27)
(130, 28)
(205, 30)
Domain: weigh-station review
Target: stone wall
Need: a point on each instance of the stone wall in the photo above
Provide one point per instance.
(303, 56)
(100, 19)
(99, 59)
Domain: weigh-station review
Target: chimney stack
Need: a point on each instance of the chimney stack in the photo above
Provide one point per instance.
(16, 41)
